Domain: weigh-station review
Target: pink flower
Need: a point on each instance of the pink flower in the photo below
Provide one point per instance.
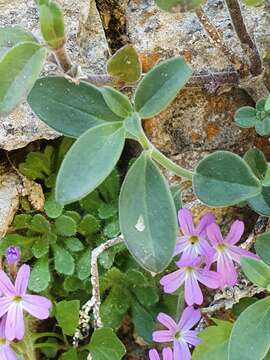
(191, 274)
(226, 252)
(15, 300)
(6, 353)
(179, 333)
(167, 354)
(193, 242)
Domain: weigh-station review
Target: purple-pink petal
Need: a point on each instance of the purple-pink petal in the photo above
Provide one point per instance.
(207, 251)
(181, 351)
(37, 306)
(181, 243)
(15, 323)
(235, 233)
(5, 304)
(209, 278)
(173, 281)
(189, 318)
(191, 337)
(205, 221)
(236, 252)
(167, 321)
(193, 293)
(167, 354)
(214, 234)
(225, 268)
(161, 336)
(153, 355)
(6, 353)
(186, 222)
(6, 286)
(22, 280)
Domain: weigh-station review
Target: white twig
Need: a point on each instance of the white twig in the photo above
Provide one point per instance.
(94, 303)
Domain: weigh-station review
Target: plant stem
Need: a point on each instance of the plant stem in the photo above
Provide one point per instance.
(248, 44)
(63, 59)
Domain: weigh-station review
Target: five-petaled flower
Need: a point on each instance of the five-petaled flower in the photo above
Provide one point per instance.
(191, 274)
(6, 353)
(167, 354)
(14, 301)
(226, 252)
(180, 334)
(193, 242)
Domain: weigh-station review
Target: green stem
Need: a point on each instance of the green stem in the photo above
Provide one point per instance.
(50, 345)
(47, 334)
(162, 159)
(29, 351)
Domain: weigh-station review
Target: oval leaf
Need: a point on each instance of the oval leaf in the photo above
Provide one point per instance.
(246, 117)
(256, 160)
(262, 247)
(116, 101)
(256, 271)
(160, 86)
(13, 35)
(69, 108)
(89, 161)
(150, 235)
(125, 64)
(224, 179)
(19, 69)
(250, 338)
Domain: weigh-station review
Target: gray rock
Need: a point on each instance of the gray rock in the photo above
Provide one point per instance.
(86, 45)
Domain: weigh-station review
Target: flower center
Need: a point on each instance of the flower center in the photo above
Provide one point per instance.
(178, 335)
(193, 239)
(2, 341)
(221, 246)
(17, 298)
(189, 269)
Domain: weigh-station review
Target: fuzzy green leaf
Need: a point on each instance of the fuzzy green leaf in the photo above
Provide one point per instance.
(150, 238)
(19, 69)
(67, 315)
(246, 117)
(89, 225)
(83, 268)
(40, 224)
(13, 35)
(74, 244)
(63, 261)
(65, 225)
(125, 64)
(89, 161)
(262, 247)
(40, 275)
(224, 179)
(116, 101)
(160, 86)
(256, 160)
(261, 202)
(40, 247)
(179, 5)
(256, 271)
(68, 108)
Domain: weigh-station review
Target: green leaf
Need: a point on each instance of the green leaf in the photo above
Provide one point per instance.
(160, 86)
(256, 271)
(40, 247)
(107, 211)
(92, 157)
(256, 160)
(19, 69)
(22, 221)
(63, 261)
(40, 275)
(253, 2)
(69, 108)
(251, 342)
(89, 225)
(116, 101)
(74, 244)
(262, 247)
(263, 126)
(143, 321)
(105, 345)
(112, 229)
(224, 179)
(177, 196)
(110, 188)
(125, 64)
(149, 237)
(52, 25)
(83, 265)
(40, 224)
(178, 5)
(67, 315)
(214, 343)
(69, 355)
(267, 104)
(52, 208)
(246, 117)
(242, 305)
(13, 35)
(65, 225)
(261, 202)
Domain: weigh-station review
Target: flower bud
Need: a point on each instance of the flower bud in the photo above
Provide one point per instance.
(13, 255)
(52, 23)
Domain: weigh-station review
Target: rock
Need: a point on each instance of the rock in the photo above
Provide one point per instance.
(198, 121)
(9, 199)
(86, 45)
